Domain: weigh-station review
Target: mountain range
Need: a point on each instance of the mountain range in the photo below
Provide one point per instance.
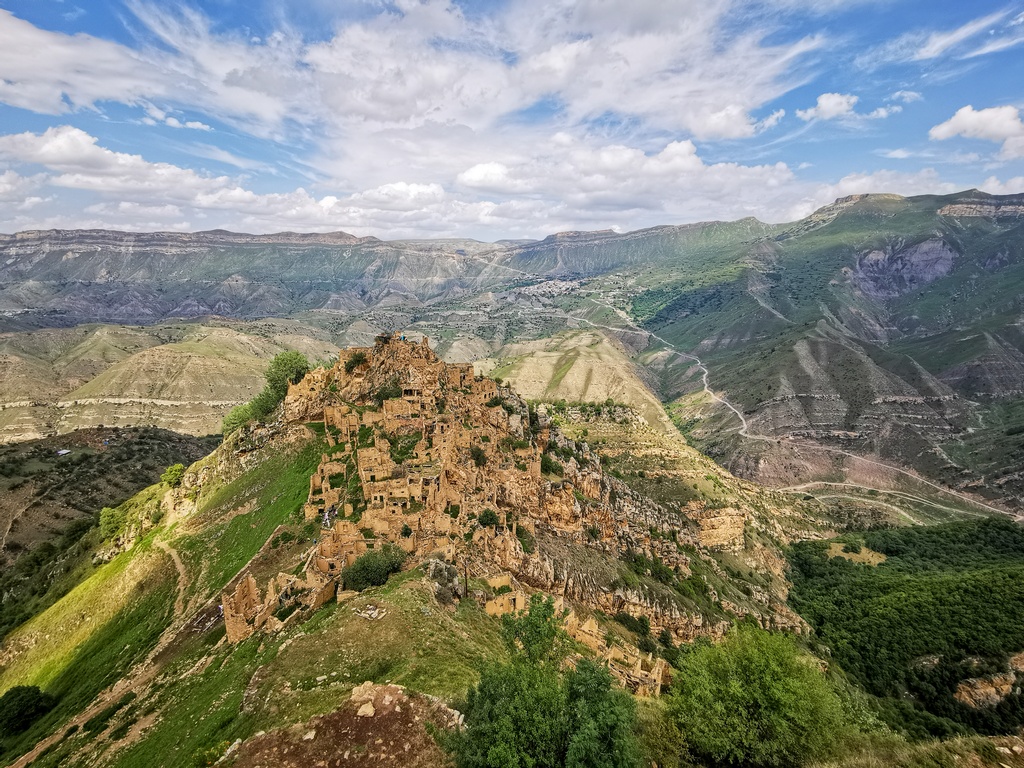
(880, 327)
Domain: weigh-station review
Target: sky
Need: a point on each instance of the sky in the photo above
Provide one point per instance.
(494, 119)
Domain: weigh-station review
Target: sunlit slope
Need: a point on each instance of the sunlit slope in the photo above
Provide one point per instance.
(183, 377)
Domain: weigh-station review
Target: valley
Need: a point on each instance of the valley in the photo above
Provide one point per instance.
(677, 434)
(880, 329)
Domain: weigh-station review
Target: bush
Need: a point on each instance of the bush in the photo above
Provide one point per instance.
(237, 417)
(526, 539)
(355, 361)
(390, 390)
(112, 522)
(173, 475)
(755, 700)
(285, 368)
(551, 467)
(478, 455)
(21, 706)
(527, 713)
(489, 518)
(640, 625)
(373, 568)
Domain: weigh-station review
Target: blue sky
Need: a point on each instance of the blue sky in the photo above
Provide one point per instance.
(492, 119)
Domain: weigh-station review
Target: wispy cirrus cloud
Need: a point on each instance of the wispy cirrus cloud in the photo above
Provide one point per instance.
(925, 45)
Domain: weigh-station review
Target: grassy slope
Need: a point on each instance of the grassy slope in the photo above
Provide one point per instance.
(92, 637)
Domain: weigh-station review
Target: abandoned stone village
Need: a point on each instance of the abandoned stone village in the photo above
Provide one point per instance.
(460, 473)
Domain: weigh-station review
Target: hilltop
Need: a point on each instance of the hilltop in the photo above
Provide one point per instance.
(238, 570)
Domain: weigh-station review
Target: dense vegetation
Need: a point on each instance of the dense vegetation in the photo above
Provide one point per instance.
(373, 568)
(527, 712)
(755, 700)
(286, 368)
(947, 604)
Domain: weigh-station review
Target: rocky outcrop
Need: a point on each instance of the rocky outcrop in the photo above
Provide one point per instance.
(380, 725)
(886, 274)
(979, 692)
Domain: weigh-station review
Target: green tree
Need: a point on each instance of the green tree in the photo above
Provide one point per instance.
(237, 417)
(21, 706)
(357, 359)
(755, 700)
(172, 476)
(489, 518)
(599, 720)
(112, 521)
(526, 714)
(478, 455)
(535, 633)
(373, 568)
(286, 368)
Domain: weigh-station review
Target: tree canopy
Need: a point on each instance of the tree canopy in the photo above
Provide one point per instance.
(528, 713)
(286, 367)
(755, 700)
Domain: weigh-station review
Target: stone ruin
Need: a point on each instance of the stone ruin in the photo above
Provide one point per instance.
(419, 451)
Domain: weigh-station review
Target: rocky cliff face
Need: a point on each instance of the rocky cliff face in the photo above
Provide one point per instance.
(886, 274)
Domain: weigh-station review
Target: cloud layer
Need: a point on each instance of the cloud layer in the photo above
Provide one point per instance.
(420, 117)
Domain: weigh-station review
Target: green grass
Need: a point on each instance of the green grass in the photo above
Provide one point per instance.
(276, 489)
(75, 672)
(417, 644)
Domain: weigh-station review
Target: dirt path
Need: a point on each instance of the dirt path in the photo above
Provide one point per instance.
(744, 430)
(179, 600)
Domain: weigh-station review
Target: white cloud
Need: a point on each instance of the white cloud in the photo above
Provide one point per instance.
(994, 186)
(840, 106)
(907, 97)
(771, 120)
(15, 188)
(920, 45)
(54, 73)
(997, 44)
(938, 43)
(830, 106)
(926, 181)
(998, 124)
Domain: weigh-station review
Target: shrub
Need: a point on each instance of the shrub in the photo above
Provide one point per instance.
(285, 368)
(755, 700)
(173, 475)
(354, 361)
(373, 568)
(21, 706)
(526, 539)
(478, 455)
(489, 518)
(387, 391)
(112, 521)
(237, 417)
(551, 467)
(639, 624)
(528, 713)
